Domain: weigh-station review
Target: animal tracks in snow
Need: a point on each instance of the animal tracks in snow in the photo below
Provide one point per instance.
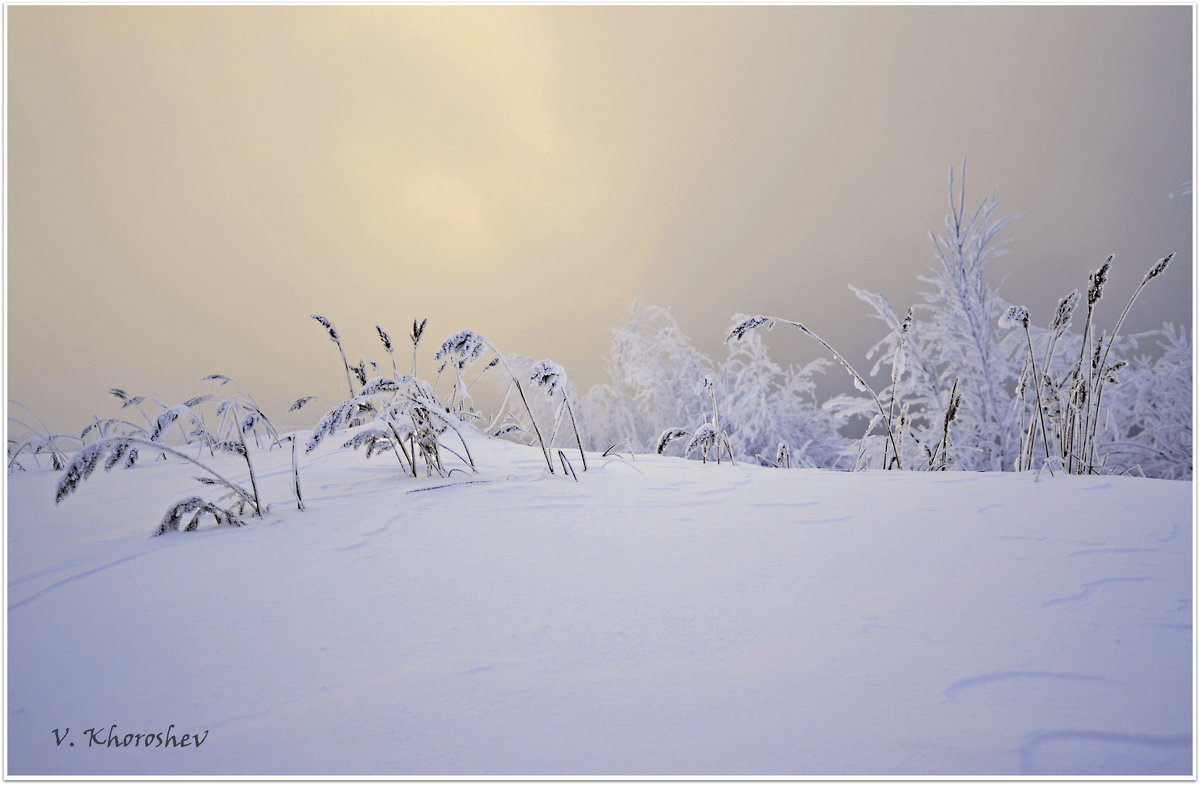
(956, 689)
(1171, 534)
(840, 519)
(1104, 752)
(1089, 588)
(783, 505)
(1098, 551)
(74, 577)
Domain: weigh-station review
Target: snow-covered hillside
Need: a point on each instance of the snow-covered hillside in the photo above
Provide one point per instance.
(659, 616)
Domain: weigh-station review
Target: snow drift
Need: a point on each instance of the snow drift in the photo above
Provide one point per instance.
(660, 616)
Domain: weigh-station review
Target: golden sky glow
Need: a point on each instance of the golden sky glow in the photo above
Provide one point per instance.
(187, 185)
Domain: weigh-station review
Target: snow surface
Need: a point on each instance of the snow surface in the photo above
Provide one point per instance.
(657, 617)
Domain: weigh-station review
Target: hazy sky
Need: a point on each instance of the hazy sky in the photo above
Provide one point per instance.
(187, 185)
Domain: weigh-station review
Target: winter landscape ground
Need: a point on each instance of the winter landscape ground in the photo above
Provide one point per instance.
(658, 616)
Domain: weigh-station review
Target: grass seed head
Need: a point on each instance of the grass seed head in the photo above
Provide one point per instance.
(387, 340)
(133, 400)
(1015, 315)
(1096, 281)
(166, 419)
(952, 408)
(328, 325)
(1062, 316)
(80, 468)
(741, 328)
(463, 348)
(668, 436)
(1110, 373)
(704, 439)
(329, 424)
(197, 507)
(1096, 354)
(299, 404)
(380, 384)
(1159, 267)
(119, 451)
(548, 376)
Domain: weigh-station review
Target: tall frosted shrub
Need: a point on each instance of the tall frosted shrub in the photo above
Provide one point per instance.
(954, 336)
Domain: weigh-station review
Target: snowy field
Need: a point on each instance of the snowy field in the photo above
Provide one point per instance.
(660, 616)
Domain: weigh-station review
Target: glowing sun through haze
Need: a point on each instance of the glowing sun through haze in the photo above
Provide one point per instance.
(187, 184)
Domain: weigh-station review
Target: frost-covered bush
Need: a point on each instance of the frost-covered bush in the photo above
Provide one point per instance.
(1151, 410)
(1029, 395)
(653, 370)
(954, 335)
(744, 327)
(751, 404)
(766, 406)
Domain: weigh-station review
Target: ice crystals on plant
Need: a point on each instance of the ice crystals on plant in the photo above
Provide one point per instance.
(745, 325)
(548, 376)
(1015, 315)
(462, 348)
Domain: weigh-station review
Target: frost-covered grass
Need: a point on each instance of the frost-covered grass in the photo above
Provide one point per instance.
(36, 441)
(237, 415)
(660, 616)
